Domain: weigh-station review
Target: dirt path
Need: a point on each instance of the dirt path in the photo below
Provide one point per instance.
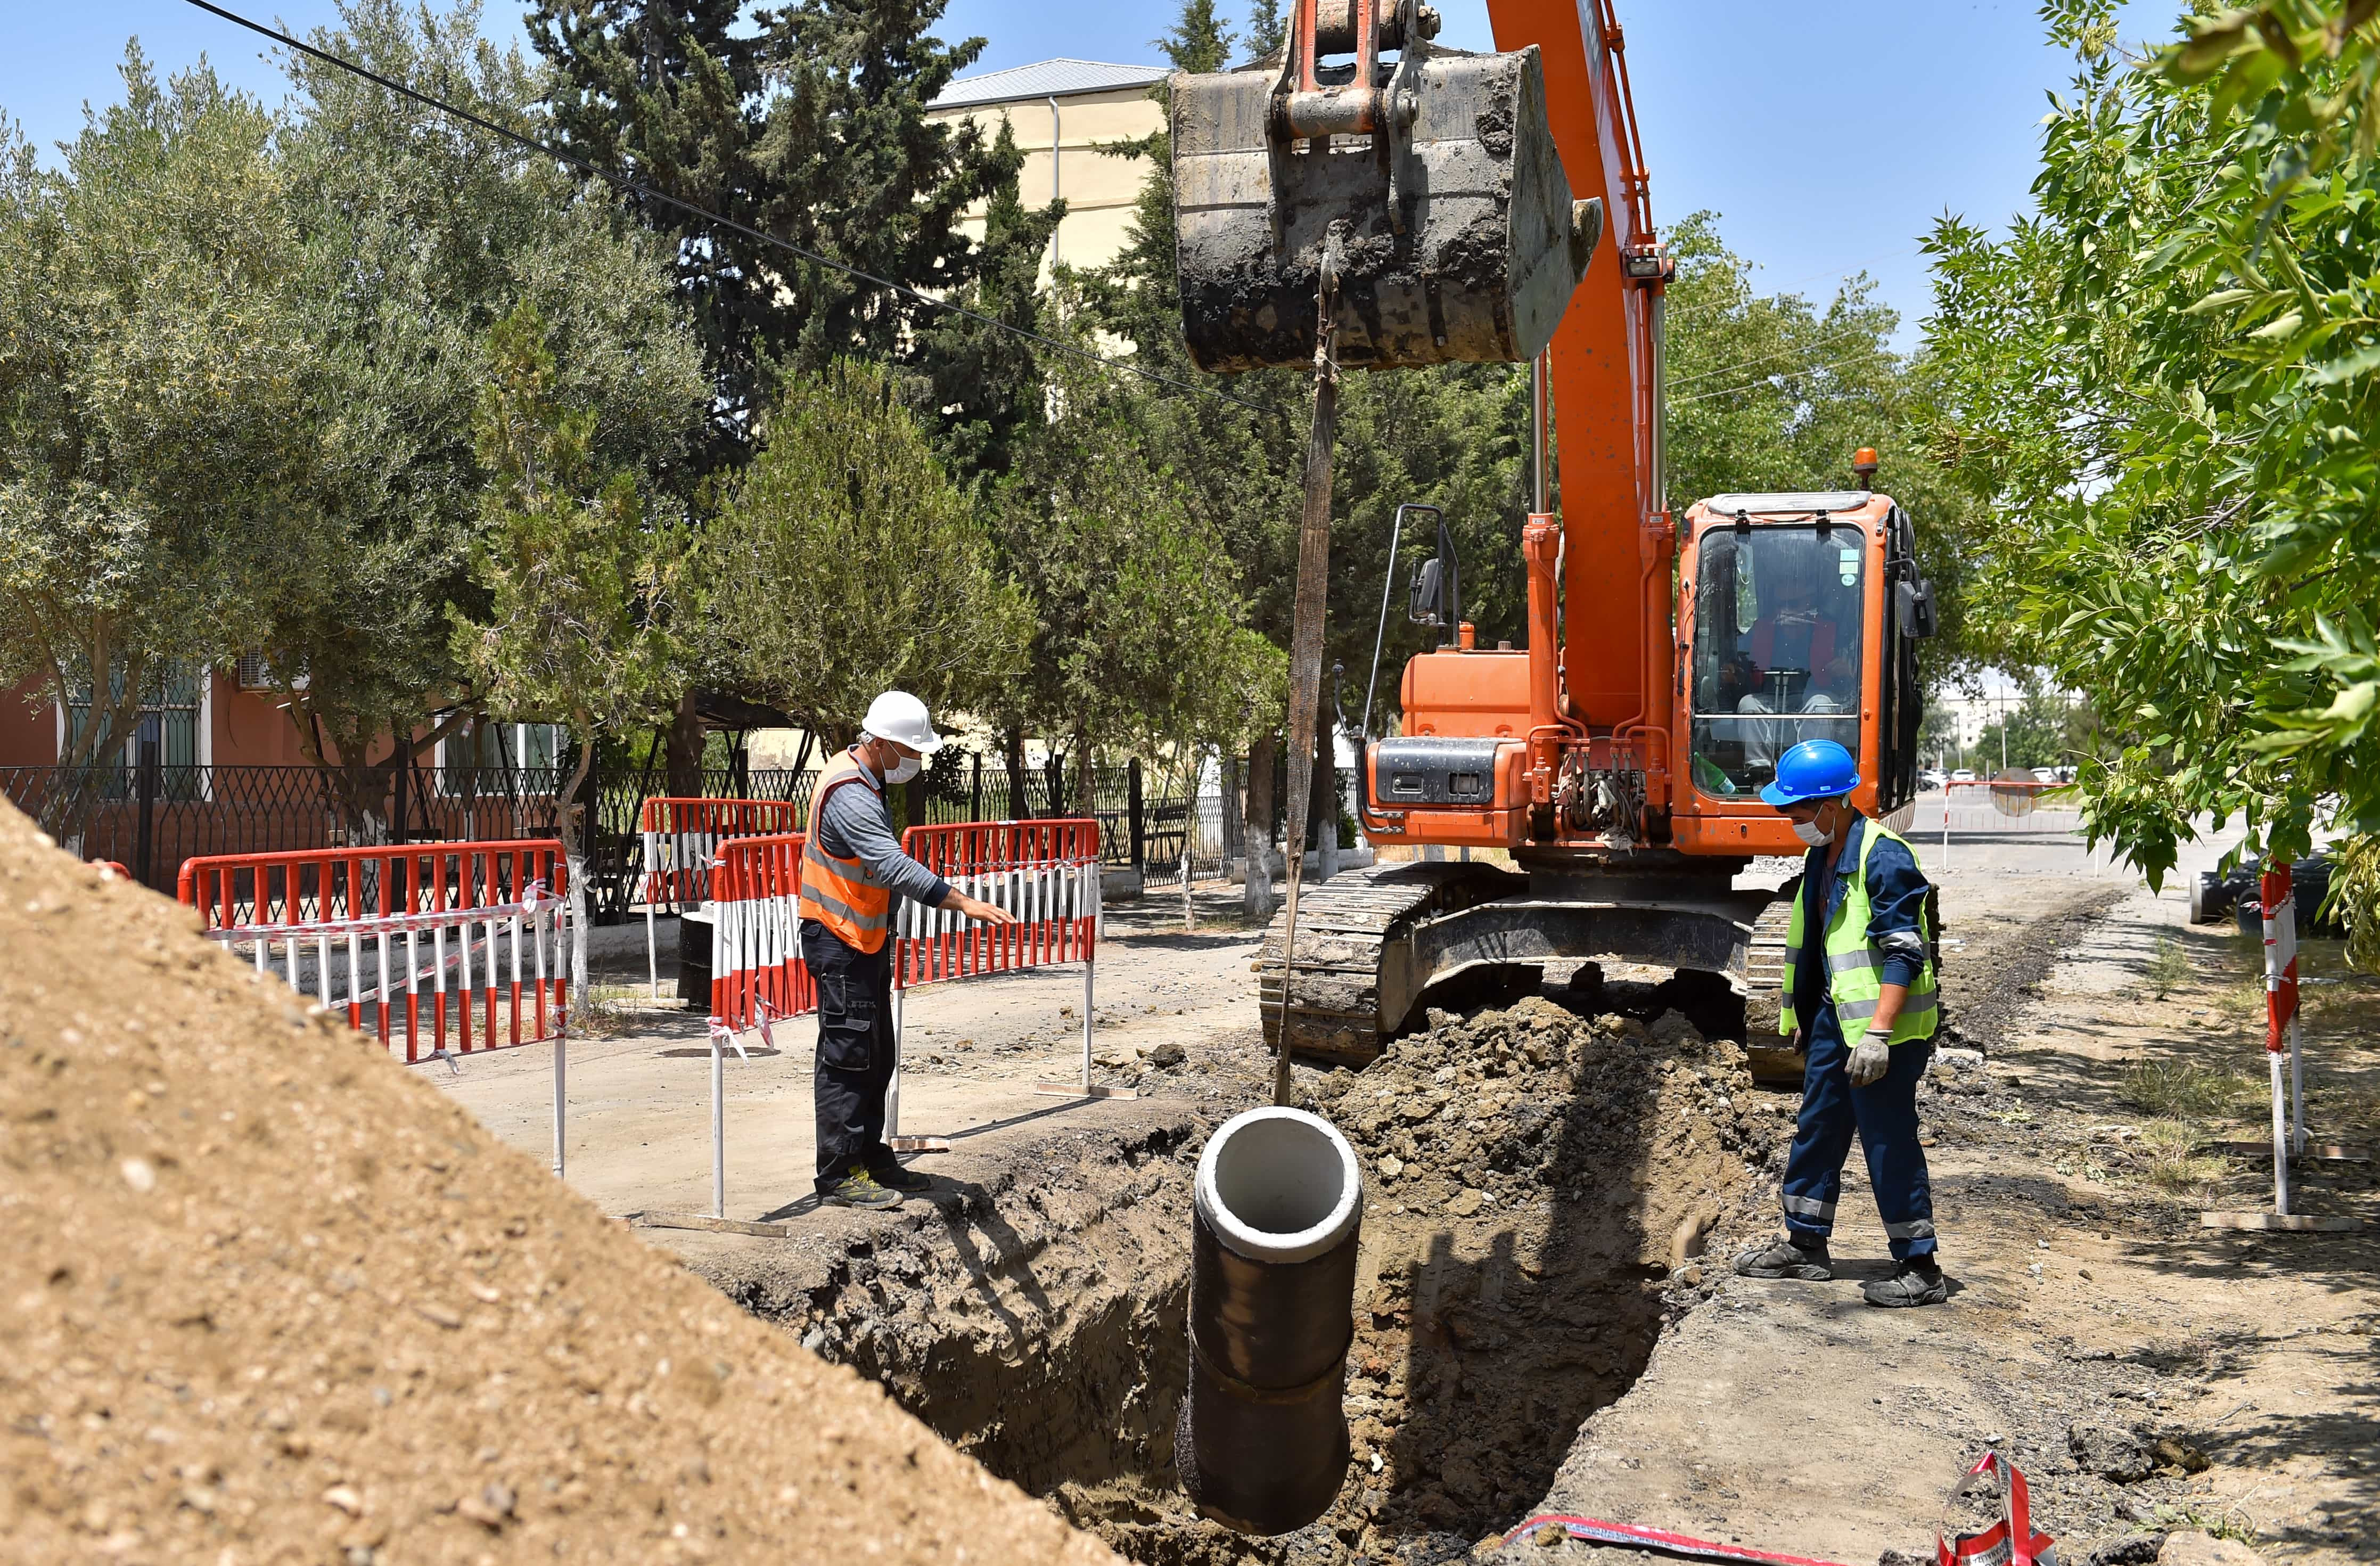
(639, 1100)
(1791, 1418)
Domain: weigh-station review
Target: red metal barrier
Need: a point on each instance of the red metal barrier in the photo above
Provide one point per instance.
(378, 905)
(756, 960)
(1047, 873)
(681, 838)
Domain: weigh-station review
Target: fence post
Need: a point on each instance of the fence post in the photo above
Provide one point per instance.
(144, 855)
(403, 768)
(975, 790)
(1229, 767)
(1139, 820)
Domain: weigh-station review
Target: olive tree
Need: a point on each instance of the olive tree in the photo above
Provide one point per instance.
(155, 405)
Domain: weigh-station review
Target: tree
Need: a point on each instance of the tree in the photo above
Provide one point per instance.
(807, 122)
(416, 235)
(575, 580)
(2046, 729)
(1138, 642)
(843, 562)
(154, 400)
(2162, 387)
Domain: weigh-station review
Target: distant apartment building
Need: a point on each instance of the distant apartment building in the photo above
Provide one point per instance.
(1062, 112)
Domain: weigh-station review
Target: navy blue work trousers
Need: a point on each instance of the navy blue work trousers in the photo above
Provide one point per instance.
(854, 1052)
(1885, 1114)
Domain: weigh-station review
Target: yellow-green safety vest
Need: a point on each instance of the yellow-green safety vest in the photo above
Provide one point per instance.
(1856, 964)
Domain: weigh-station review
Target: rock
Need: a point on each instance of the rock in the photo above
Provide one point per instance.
(1467, 1203)
(1550, 1533)
(1946, 1060)
(1671, 1027)
(1903, 1557)
(2173, 1452)
(2190, 1547)
(2132, 1549)
(1391, 1165)
(2109, 1452)
(1166, 1056)
(1109, 1059)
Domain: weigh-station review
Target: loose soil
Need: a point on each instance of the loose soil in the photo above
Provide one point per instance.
(269, 1297)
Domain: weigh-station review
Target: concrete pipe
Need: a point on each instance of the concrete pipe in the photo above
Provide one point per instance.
(1262, 1445)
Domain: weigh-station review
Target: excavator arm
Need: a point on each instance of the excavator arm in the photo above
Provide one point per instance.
(1454, 202)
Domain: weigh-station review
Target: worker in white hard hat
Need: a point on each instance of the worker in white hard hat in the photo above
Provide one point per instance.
(851, 868)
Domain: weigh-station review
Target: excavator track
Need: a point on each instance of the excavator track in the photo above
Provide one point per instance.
(1773, 1062)
(1355, 979)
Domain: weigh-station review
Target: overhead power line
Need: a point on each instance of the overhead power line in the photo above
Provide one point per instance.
(623, 183)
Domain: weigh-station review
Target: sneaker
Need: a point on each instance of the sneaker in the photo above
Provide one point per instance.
(1917, 1281)
(859, 1189)
(1783, 1259)
(898, 1178)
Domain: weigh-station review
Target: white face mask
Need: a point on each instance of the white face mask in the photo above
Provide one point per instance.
(1813, 834)
(904, 770)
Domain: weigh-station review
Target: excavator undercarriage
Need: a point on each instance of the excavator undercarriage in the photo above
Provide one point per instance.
(1371, 941)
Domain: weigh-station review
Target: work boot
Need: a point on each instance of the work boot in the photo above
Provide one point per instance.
(1787, 1257)
(891, 1173)
(1917, 1281)
(859, 1189)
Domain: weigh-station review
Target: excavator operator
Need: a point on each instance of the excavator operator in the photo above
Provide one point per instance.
(1861, 1000)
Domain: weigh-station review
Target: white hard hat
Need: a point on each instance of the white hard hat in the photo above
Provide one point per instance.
(901, 718)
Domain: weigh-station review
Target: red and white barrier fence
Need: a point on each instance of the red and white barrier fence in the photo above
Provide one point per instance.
(1045, 872)
(681, 839)
(2281, 1021)
(409, 940)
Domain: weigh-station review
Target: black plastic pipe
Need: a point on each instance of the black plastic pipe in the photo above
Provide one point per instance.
(1262, 1445)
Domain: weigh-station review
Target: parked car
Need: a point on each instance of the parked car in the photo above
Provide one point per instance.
(2212, 896)
(2046, 775)
(1931, 779)
(1964, 774)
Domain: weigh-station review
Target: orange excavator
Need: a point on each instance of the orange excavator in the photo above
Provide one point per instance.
(1448, 206)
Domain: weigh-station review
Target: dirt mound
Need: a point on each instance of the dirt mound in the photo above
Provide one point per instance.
(268, 1298)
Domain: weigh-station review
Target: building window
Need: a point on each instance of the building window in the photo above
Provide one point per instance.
(172, 714)
(493, 754)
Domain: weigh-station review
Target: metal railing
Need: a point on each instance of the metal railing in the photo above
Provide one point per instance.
(153, 825)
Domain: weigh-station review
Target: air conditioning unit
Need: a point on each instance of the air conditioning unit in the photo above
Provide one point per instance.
(255, 672)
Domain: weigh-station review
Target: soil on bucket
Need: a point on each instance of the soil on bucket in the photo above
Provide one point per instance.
(1538, 1182)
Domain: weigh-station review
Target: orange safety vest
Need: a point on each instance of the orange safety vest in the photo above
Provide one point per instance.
(836, 891)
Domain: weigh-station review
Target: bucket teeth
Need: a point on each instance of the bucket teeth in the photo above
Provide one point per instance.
(1459, 240)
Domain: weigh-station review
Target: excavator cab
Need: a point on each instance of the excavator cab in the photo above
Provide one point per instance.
(1429, 186)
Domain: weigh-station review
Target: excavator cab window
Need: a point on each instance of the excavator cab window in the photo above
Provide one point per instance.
(1777, 648)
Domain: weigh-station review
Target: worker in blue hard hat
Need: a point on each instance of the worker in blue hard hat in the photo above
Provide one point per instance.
(1861, 1001)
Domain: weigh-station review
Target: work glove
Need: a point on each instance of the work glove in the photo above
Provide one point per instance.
(1870, 1061)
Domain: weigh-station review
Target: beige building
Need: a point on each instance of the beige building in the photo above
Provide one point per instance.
(1061, 112)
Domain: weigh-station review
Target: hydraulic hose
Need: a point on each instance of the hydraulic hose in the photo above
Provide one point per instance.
(1261, 1444)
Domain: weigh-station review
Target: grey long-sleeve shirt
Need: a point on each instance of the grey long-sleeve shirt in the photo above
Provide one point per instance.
(855, 825)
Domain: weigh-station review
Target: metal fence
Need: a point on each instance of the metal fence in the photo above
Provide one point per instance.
(152, 823)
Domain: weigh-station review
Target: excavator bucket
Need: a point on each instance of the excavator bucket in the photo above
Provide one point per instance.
(1432, 182)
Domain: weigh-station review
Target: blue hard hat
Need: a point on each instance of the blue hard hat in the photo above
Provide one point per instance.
(1815, 769)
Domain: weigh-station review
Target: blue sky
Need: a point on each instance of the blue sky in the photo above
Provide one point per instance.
(1828, 134)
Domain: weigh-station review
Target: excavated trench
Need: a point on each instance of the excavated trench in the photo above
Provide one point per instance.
(1538, 1176)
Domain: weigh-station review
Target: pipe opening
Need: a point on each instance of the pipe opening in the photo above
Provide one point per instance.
(1280, 1186)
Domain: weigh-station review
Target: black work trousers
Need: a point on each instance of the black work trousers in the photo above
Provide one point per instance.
(855, 1051)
